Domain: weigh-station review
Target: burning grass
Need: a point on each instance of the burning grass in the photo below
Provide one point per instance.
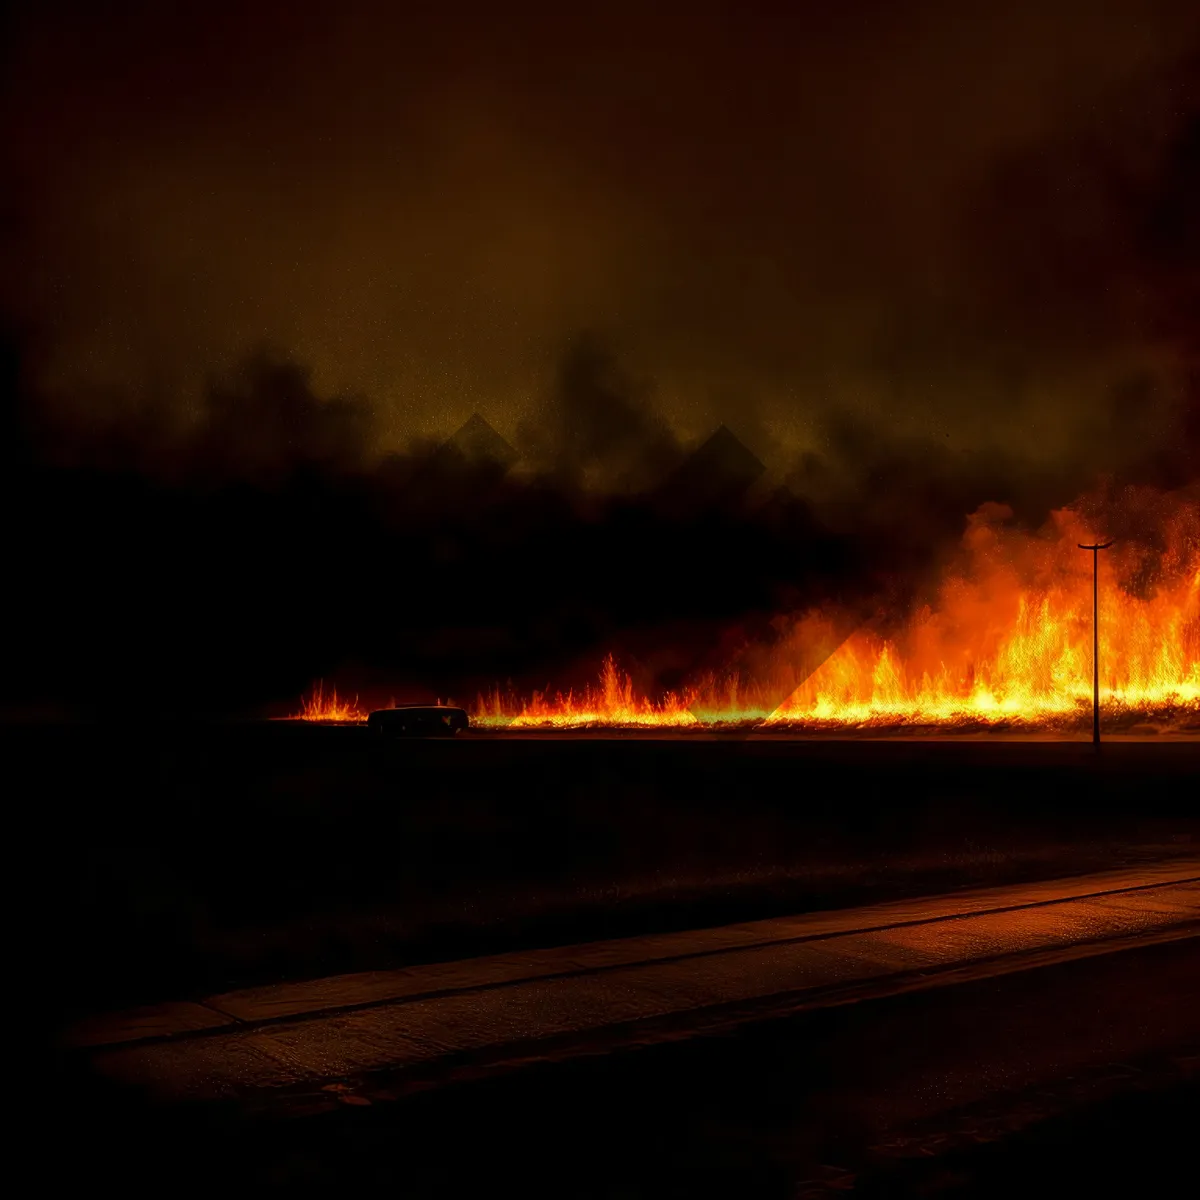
(1005, 645)
(327, 708)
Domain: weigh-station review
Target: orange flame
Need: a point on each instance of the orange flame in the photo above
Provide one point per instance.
(317, 706)
(1006, 643)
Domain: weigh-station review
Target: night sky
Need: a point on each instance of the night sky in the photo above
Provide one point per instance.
(262, 257)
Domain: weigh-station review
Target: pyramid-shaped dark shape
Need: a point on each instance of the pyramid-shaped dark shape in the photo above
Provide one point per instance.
(718, 473)
(784, 510)
(723, 456)
(477, 442)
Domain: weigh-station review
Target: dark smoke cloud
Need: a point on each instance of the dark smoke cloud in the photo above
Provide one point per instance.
(598, 426)
(265, 548)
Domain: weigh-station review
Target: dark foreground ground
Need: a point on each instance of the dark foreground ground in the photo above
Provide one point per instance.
(177, 862)
(172, 862)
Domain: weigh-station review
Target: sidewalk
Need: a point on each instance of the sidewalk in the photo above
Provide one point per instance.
(356, 1038)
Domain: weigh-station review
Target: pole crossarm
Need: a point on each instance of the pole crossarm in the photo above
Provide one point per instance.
(1102, 546)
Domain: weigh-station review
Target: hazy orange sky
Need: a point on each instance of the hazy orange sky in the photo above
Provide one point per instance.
(960, 223)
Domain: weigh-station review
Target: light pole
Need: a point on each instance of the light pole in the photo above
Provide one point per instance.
(1095, 637)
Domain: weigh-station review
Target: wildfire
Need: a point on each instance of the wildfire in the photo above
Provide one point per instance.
(318, 706)
(1006, 643)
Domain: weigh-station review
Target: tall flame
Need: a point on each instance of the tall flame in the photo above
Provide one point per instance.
(1007, 642)
(325, 707)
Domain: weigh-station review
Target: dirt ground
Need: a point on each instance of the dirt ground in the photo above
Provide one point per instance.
(174, 861)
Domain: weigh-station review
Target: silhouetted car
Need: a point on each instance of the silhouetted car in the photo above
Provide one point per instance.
(419, 720)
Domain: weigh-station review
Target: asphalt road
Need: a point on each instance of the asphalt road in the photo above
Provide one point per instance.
(1072, 1077)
